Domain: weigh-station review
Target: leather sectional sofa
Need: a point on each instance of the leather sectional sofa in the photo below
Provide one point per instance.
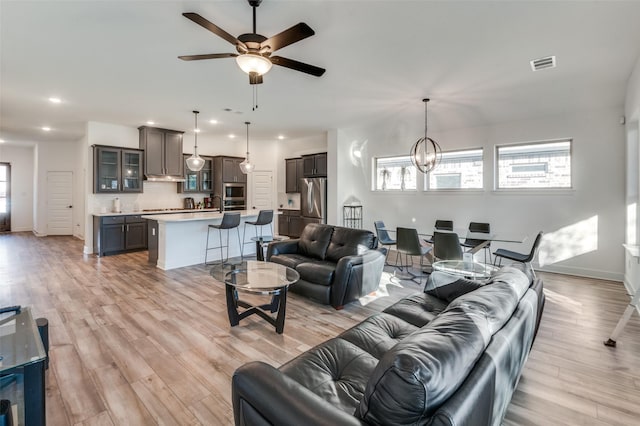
(451, 355)
(336, 265)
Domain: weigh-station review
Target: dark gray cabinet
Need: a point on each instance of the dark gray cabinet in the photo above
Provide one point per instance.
(290, 223)
(163, 152)
(315, 165)
(200, 181)
(294, 170)
(117, 169)
(119, 234)
(230, 167)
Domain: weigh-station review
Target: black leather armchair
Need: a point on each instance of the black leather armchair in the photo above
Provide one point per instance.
(336, 265)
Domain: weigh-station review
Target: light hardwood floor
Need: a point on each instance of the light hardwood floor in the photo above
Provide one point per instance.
(132, 344)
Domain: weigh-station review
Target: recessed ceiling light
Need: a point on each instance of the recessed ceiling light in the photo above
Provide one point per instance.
(55, 100)
(280, 137)
(151, 123)
(46, 128)
(232, 136)
(213, 121)
(1, 140)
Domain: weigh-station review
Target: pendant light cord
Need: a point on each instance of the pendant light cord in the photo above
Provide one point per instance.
(195, 146)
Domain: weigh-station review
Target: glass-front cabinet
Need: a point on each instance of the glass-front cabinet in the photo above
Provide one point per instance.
(117, 169)
(201, 181)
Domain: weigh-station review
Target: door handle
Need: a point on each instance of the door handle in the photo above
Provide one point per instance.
(69, 207)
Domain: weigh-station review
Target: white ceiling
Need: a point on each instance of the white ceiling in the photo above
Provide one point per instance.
(116, 62)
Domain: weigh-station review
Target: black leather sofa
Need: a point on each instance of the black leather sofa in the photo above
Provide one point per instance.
(336, 265)
(452, 355)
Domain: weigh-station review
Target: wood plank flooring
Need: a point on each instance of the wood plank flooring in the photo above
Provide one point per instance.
(132, 344)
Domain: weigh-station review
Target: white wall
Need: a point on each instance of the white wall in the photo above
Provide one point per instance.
(584, 226)
(21, 160)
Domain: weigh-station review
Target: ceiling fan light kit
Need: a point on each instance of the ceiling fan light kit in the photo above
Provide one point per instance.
(253, 63)
(425, 153)
(195, 162)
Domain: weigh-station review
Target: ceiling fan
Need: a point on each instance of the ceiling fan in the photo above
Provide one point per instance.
(254, 50)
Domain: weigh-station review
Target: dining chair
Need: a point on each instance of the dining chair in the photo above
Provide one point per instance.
(385, 240)
(265, 218)
(525, 258)
(471, 243)
(446, 246)
(442, 225)
(409, 244)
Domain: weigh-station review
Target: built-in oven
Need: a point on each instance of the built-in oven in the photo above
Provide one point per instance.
(234, 196)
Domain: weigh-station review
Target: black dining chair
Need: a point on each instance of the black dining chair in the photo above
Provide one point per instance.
(441, 225)
(229, 221)
(385, 240)
(525, 258)
(409, 244)
(471, 243)
(446, 246)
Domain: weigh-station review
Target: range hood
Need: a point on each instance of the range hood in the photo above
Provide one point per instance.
(163, 178)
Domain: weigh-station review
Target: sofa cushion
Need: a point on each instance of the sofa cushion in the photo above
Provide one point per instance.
(378, 333)
(314, 240)
(289, 260)
(317, 272)
(496, 301)
(448, 287)
(349, 242)
(336, 370)
(417, 309)
(420, 373)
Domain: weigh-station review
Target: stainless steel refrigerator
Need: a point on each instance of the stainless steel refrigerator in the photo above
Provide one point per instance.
(313, 199)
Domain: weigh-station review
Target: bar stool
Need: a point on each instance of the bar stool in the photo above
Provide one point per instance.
(229, 221)
(265, 217)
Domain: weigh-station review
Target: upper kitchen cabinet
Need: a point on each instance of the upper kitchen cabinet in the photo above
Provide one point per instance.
(163, 152)
(294, 171)
(230, 168)
(315, 165)
(117, 169)
(201, 181)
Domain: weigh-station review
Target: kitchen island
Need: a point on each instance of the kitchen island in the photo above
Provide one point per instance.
(181, 238)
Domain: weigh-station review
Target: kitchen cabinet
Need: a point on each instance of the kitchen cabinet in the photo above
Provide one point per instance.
(200, 181)
(116, 169)
(119, 234)
(290, 223)
(163, 152)
(229, 168)
(294, 171)
(315, 165)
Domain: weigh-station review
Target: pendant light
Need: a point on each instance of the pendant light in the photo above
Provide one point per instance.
(195, 162)
(425, 153)
(246, 166)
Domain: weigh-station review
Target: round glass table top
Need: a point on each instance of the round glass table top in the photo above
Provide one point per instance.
(466, 268)
(255, 276)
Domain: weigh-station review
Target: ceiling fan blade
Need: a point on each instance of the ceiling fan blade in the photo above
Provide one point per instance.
(294, 34)
(298, 66)
(213, 28)
(207, 56)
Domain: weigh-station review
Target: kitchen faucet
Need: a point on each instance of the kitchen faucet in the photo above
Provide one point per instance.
(219, 198)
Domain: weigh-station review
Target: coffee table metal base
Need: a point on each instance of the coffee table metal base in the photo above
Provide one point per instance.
(278, 305)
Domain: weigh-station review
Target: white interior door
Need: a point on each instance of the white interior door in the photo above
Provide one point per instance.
(262, 190)
(59, 203)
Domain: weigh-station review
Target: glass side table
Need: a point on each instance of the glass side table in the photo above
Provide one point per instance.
(263, 242)
(473, 270)
(23, 354)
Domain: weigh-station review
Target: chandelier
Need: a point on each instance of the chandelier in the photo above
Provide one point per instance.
(425, 152)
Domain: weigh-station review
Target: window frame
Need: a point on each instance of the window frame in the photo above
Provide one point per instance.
(427, 177)
(374, 173)
(496, 167)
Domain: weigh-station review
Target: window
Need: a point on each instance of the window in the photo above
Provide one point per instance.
(395, 174)
(534, 165)
(458, 170)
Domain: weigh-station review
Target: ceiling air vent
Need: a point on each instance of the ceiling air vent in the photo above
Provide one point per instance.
(542, 63)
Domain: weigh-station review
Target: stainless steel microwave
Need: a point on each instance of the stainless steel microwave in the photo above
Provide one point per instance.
(234, 191)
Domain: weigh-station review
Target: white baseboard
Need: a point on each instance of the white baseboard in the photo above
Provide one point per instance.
(27, 229)
(583, 272)
(37, 234)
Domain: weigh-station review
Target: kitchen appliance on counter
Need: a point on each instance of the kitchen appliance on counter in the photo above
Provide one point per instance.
(313, 200)
(189, 203)
(208, 202)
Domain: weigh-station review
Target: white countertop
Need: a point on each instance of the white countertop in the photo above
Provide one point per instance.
(199, 215)
(155, 212)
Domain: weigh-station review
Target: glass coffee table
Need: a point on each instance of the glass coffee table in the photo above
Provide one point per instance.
(256, 277)
(467, 269)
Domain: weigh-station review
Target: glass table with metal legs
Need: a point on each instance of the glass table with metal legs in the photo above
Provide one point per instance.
(256, 277)
(465, 268)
